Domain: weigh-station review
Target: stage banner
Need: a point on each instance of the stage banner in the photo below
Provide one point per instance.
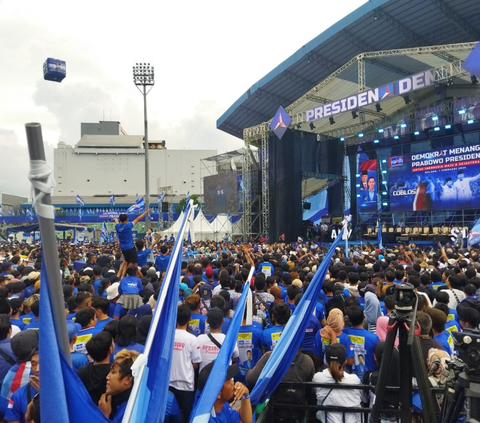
(466, 108)
(108, 215)
(447, 178)
(429, 117)
(367, 186)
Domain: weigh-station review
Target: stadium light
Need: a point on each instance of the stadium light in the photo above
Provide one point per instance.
(434, 118)
(403, 125)
(384, 193)
(358, 185)
(376, 141)
(330, 119)
(342, 138)
(436, 129)
(144, 80)
(384, 203)
(448, 126)
(384, 182)
(358, 195)
(396, 137)
(378, 107)
(469, 121)
(384, 171)
(416, 133)
(358, 175)
(462, 111)
(380, 130)
(360, 135)
(384, 161)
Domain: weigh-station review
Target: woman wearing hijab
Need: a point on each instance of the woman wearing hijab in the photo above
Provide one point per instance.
(335, 356)
(332, 333)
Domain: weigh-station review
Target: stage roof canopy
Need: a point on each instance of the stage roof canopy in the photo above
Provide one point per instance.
(378, 25)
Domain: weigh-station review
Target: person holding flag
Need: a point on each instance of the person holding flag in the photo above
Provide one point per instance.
(124, 234)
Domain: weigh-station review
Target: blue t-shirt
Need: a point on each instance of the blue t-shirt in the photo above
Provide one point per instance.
(142, 256)
(124, 234)
(321, 345)
(161, 262)
(363, 343)
(133, 347)
(83, 336)
(78, 360)
(271, 336)
(446, 340)
(452, 326)
(226, 415)
(101, 324)
(320, 311)
(196, 325)
(266, 268)
(249, 341)
(96, 284)
(452, 315)
(130, 285)
(310, 332)
(18, 322)
(26, 318)
(17, 406)
(34, 324)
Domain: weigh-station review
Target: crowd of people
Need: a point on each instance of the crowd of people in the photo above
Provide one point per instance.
(110, 300)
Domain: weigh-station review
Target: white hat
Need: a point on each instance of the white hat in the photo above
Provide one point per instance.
(112, 291)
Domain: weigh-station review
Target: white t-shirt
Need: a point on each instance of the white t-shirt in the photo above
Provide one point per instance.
(185, 352)
(338, 397)
(209, 351)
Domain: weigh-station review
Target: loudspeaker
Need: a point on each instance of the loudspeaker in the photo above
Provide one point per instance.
(307, 205)
(164, 207)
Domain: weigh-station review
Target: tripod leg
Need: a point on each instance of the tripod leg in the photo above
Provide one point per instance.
(456, 404)
(405, 376)
(384, 369)
(429, 415)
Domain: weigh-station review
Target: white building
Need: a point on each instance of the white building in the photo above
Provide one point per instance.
(115, 164)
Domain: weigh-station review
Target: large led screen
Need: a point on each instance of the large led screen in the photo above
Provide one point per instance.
(220, 193)
(448, 178)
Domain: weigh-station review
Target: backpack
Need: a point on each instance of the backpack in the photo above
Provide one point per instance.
(288, 394)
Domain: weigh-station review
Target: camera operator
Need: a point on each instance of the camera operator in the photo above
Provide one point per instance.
(469, 317)
(426, 341)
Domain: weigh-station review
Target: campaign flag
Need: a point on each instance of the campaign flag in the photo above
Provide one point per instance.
(136, 198)
(201, 413)
(161, 197)
(292, 336)
(104, 232)
(112, 200)
(472, 62)
(80, 214)
(80, 202)
(29, 215)
(139, 206)
(148, 400)
(64, 397)
(379, 235)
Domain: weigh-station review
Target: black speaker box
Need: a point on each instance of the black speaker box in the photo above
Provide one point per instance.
(164, 207)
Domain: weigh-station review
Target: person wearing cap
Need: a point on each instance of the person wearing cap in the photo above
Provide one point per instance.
(78, 359)
(211, 342)
(230, 393)
(185, 359)
(18, 403)
(363, 180)
(112, 297)
(335, 357)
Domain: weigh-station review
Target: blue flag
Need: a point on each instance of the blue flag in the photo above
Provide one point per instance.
(201, 413)
(292, 336)
(472, 62)
(138, 207)
(379, 235)
(161, 197)
(80, 215)
(112, 200)
(64, 397)
(104, 232)
(80, 202)
(148, 400)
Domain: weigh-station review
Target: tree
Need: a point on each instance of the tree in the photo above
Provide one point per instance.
(181, 204)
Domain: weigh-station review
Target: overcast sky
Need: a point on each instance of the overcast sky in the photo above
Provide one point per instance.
(206, 54)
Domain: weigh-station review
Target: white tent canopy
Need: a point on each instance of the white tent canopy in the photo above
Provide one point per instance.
(203, 229)
(175, 227)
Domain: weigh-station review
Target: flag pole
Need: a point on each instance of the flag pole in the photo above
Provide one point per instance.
(42, 181)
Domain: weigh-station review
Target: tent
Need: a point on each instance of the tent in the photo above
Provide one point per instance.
(175, 227)
(203, 229)
(221, 226)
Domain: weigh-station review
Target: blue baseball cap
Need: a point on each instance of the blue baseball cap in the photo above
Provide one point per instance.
(72, 330)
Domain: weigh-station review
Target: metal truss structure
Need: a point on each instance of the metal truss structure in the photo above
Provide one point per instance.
(260, 133)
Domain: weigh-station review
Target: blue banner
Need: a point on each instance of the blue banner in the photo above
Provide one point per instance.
(448, 178)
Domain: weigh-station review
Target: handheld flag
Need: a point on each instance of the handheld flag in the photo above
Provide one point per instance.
(292, 336)
(80, 202)
(112, 200)
(379, 235)
(104, 232)
(201, 413)
(161, 197)
(139, 206)
(80, 214)
(187, 200)
(64, 397)
(29, 215)
(472, 62)
(148, 400)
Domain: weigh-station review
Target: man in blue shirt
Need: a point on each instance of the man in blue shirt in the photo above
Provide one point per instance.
(78, 359)
(161, 261)
(86, 319)
(144, 253)
(266, 267)
(362, 340)
(125, 238)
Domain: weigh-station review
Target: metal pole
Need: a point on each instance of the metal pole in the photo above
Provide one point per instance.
(147, 172)
(36, 151)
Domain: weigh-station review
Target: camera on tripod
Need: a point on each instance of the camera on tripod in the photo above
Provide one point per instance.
(468, 347)
(405, 297)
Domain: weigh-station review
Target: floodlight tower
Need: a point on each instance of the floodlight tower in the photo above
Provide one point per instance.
(144, 79)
